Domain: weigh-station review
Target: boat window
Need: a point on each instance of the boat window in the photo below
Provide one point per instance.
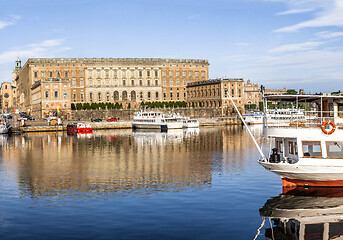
(336, 230)
(312, 149)
(291, 147)
(334, 149)
(340, 109)
(279, 146)
(314, 231)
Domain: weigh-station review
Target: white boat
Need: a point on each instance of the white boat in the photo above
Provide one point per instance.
(254, 118)
(312, 215)
(190, 122)
(5, 127)
(155, 120)
(307, 151)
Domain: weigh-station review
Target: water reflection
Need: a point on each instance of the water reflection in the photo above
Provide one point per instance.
(123, 161)
(314, 213)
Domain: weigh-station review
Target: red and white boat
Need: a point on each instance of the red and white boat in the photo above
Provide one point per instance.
(79, 128)
(309, 151)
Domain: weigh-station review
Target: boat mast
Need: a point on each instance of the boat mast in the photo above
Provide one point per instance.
(252, 136)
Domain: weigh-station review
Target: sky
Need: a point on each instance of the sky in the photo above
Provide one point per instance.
(295, 44)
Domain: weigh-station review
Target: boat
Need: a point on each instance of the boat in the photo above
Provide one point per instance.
(254, 118)
(307, 151)
(155, 120)
(190, 122)
(313, 213)
(5, 127)
(75, 128)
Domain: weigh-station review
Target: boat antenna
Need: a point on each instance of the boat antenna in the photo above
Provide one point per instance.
(246, 126)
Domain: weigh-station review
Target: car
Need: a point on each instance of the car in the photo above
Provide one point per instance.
(97, 120)
(112, 120)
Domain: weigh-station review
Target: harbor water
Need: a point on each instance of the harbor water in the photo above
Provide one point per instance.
(120, 184)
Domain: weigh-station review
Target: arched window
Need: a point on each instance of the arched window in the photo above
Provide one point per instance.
(116, 95)
(133, 95)
(99, 96)
(107, 96)
(124, 96)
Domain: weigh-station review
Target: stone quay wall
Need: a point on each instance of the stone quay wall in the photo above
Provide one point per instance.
(128, 113)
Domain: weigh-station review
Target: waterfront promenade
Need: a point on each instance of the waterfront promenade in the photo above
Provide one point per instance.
(42, 126)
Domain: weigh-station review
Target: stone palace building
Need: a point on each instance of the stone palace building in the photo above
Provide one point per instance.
(47, 85)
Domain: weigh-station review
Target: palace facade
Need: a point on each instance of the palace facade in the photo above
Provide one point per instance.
(47, 84)
(215, 93)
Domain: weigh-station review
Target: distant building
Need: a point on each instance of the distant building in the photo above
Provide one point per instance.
(62, 81)
(275, 91)
(214, 94)
(252, 94)
(8, 99)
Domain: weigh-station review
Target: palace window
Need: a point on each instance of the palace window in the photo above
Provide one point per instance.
(149, 95)
(74, 97)
(132, 82)
(90, 74)
(99, 97)
(170, 73)
(140, 82)
(197, 74)
(124, 74)
(171, 95)
(164, 82)
(148, 73)
(50, 73)
(56, 94)
(74, 82)
(140, 73)
(81, 97)
(156, 95)
(156, 73)
(98, 73)
(46, 94)
(65, 94)
(141, 95)
(124, 83)
(148, 82)
(107, 74)
(177, 82)
(91, 96)
(164, 73)
(66, 73)
(171, 82)
(43, 74)
(190, 73)
(58, 74)
(81, 83)
(184, 73)
(156, 82)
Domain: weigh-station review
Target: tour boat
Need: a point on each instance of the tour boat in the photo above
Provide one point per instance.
(155, 120)
(253, 118)
(308, 151)
(79, 128)
(5, 127)
(311, 215)
(188, 122)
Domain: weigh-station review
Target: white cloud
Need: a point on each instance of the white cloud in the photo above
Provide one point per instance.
(330, 16)
(12, 19)
(47, 48)
(327, 35)
(242, 44)
(296, 47)
(296, 11)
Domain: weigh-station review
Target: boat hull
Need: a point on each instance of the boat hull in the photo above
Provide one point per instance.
(149, 126)
(307, 175)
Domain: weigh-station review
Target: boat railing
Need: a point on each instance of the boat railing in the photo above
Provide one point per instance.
(303, 119)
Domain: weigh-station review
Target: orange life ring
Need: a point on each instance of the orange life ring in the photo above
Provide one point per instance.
(333, 127)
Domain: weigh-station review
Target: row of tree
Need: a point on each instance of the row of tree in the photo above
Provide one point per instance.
(109, 105)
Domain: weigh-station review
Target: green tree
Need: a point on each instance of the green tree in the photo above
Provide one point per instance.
(291, 92)
(73, 106)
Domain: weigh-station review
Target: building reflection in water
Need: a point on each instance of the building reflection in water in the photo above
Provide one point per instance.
(121, 161)
(314, 213)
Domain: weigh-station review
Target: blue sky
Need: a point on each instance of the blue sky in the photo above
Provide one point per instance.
(278, 43)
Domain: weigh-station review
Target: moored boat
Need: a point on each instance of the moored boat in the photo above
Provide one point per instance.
(5, 127)
(155, 120)
(79, 128)
(308, 151)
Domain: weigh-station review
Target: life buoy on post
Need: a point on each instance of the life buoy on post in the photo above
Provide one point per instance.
(333, 127)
